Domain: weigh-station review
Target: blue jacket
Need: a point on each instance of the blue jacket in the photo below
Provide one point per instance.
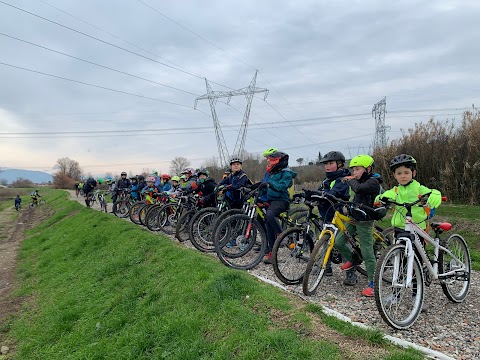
(237, 181)
(278, 184)
(333, 185)
(167, 186)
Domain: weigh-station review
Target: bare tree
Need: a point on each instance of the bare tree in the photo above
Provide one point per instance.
(68, 167)
(3, 182)
(178, 164)
(299, 161)
(22, 183)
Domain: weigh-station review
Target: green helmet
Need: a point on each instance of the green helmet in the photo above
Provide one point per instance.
(175, 178)
(362, 160)
(155, 172)
(270, 151)
(100, 181)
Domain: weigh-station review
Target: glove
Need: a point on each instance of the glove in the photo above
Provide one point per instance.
(263, 185)
(435, 199)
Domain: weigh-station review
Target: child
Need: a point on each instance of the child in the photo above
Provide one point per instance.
(334, 162)
(404, 171)
(150, 190)
(175, 189)
(236, 179)
(274, 190)
(206, 188)
(366, 187)
(134, 188)
(165, 182)
(18, 202)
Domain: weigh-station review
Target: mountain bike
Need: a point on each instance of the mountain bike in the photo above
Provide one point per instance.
(240, 239)
(405, 268)
(121, 207)
(102, 200)
(324, 247)
(18, 206)
(37, 202)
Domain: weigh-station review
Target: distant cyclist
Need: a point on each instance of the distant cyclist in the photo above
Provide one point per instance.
(18, 202)
(35, 196)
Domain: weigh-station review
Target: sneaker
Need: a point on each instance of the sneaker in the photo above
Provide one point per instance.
(350, 278)
(328, 271)
(268, 258)
(368, 292)
(347, 265)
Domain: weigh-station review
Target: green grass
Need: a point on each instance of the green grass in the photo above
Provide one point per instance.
(97, 287)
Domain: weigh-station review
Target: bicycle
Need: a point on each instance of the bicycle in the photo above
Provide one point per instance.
(121, 207)
(18, 206)
(240, 239)
(37, 202)
(405, 268)
(324, 247)
(101, 195)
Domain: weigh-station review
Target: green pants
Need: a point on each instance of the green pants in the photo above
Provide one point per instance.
(364, 230)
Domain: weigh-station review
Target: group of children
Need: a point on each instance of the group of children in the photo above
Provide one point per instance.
(358, 184)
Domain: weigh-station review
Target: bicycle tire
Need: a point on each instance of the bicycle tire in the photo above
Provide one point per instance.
(223, 216)
(290, 254)
(133, 213)
(167, 218)
(151, 217)
(315, 267)
(121, 208)
(181, 230)
(201, 227)
(447, 263)
(398, 305)
(42, 202)
(244, 255)
(142, 213)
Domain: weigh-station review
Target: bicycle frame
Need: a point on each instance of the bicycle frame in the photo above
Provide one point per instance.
(415, 230)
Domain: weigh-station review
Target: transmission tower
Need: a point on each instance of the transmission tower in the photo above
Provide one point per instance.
(213, 96)
(378, 112)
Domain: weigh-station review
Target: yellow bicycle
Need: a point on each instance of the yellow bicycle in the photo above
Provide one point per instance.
(322, 250)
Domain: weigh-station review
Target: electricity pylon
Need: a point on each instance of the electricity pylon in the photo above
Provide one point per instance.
(213, 96)
(378, 112)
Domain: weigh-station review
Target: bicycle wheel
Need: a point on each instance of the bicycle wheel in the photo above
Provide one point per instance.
(316, 265)
(398, 305)
(223, 216)
(290, 255)
(167, 218)
(152, 216)
(121, 208)
(135, 211)
(181, 231)
(42, 202)
(239, 242)
(455, 286)
(32, 205)
(201, 227)
(142, 214)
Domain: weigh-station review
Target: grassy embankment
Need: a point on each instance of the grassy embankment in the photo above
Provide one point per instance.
(97, 287)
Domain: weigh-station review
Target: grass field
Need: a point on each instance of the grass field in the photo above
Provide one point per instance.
(98, 287)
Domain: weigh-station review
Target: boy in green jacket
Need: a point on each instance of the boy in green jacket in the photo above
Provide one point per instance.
(404, 171)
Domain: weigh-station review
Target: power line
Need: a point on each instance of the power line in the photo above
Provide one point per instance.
(93, 85)
(105, 42)
(96, 64)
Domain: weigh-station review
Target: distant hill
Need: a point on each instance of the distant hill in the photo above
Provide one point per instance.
(37, 177)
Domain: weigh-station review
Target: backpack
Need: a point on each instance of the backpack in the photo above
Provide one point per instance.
(291, 188)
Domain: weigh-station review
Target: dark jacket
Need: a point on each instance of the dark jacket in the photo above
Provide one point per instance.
(333, 185)
(234, 182)
(365, 189)
(124, 184)
(206, 189)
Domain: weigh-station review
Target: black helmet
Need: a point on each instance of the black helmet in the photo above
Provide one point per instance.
(141, 177)
(202, 172)
(123, 173)
(333, 156)
(236, 159)
(402, 159)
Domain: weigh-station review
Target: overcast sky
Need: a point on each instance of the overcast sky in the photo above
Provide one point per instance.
(321, 61)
